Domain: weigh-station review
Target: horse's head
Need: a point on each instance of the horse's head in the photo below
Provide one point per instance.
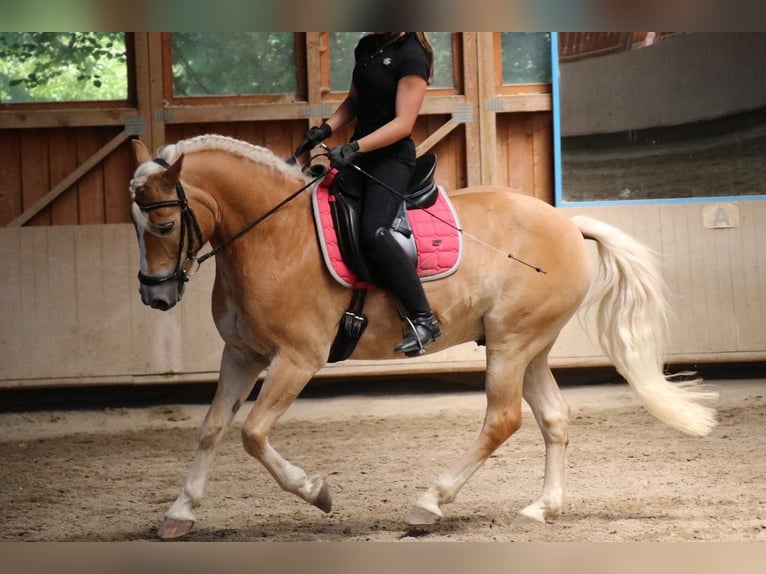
(168, 231)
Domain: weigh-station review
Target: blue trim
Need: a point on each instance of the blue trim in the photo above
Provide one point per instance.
(666, 200)
(557, 185)
(557, 169)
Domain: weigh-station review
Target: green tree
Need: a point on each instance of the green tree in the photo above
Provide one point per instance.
(342, 59)
(62, 66)
(233, 63)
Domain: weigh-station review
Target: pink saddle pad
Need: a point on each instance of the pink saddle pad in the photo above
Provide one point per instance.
(438, 241)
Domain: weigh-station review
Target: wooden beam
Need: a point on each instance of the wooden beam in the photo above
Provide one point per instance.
(316, 48)
(143, 88)
(435, 137)
(64, 118)
(473, 149)
(157, 42)
(70, 180)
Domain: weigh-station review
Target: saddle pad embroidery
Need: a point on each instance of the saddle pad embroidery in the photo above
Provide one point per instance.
(439, 243)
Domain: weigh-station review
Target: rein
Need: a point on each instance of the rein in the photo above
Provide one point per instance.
(191, 229)
(251, 225)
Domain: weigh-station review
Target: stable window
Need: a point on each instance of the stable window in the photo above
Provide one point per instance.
(63, 67)
(341, 59)
(526, 61)
(250, 64)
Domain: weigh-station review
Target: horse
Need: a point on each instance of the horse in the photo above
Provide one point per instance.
(525, 273)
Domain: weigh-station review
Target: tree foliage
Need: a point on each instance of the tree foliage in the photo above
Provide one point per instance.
(342, 57)
(233, 63)
(78, 66)
(62, 66)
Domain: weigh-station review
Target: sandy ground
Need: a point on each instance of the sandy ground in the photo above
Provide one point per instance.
(110, 474)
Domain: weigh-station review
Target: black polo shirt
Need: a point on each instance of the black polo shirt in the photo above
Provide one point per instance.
(380, 63)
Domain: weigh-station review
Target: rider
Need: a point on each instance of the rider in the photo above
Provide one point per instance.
(391, 73)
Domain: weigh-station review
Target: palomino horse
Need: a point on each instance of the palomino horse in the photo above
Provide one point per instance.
(277, 308)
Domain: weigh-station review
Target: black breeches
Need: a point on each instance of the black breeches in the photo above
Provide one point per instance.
(392, 267)
(379, 205)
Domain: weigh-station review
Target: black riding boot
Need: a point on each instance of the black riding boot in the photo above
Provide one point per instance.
(402, 280)
(425, 330)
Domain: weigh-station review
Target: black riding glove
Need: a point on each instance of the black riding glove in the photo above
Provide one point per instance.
(312, 137)
(318, 134)
(344, 155)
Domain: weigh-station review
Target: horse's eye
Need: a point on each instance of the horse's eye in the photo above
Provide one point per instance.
(166, 228)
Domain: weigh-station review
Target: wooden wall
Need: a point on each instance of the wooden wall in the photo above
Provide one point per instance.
(71, 166)
(35, 160)
(69, 304)
(72, 314)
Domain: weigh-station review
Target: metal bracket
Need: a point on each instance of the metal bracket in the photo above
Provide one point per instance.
(134, 125)
(494, 105)
(162, 116)
(315, 111)
(462, 113)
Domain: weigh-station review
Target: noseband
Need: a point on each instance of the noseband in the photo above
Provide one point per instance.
(189, 228)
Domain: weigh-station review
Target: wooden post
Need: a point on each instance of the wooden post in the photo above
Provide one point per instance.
(473, 145)
(487, 120)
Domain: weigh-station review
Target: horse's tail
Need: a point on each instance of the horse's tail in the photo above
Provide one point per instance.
(631, 311)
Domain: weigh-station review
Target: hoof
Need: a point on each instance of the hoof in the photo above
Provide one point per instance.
(533, 514)
(420, 516)
(323, 500)
(171, 528)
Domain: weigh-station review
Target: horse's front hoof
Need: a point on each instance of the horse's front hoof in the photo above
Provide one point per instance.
(534, 514)
(323, 501)
(420, 516)
(172, 528)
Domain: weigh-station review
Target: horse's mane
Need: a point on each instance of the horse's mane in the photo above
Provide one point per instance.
(243, 149)
(255, 153)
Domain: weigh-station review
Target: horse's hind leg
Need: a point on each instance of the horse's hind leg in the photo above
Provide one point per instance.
(283, 384)
(237, 378)
(552, 414)
(503, 418)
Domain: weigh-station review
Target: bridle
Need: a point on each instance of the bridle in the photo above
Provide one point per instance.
(189, 230)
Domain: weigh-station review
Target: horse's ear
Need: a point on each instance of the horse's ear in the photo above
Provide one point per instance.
(142, 154)
(173, 173)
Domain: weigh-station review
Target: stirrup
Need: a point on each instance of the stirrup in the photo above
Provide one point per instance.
(424, 330)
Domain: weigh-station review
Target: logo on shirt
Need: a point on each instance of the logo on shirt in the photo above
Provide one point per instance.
(386, 61)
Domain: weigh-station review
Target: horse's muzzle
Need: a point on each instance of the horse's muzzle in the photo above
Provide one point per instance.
(162, 297)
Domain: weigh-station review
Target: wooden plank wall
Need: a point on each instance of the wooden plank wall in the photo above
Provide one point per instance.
(72, 314)
(35, 160)
(525, 160)
(716, 279)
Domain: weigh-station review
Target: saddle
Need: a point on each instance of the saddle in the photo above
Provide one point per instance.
(345, 207)
(426, 226)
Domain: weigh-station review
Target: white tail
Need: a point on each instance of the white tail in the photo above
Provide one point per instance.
(631, 317)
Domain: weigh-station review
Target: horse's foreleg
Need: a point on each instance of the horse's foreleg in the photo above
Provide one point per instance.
(552, 414)
(503, 418)
(283, 383)
(237, 378)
